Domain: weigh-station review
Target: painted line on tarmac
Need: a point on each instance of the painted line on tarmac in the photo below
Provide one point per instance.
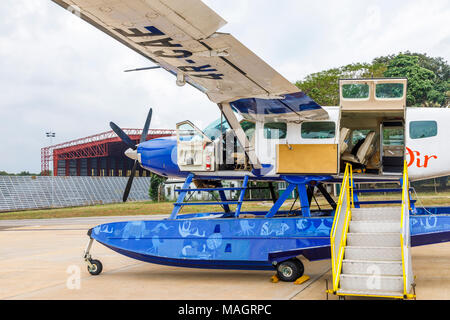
(79, 220)
(32, 294)
(308, 283)
(4, 228)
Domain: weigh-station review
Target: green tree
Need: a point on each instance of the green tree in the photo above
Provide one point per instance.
(155, 187)
(26, 173)
(420, 80)
(428, 79)
(438, 65)
(423, 89)
(323, 87)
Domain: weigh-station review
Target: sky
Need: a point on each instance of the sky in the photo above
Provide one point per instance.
(58, 73)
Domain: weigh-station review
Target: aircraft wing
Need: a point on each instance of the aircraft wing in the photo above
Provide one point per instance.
(182, 38)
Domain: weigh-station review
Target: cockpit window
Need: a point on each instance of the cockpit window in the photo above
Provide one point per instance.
(187, 132)
(355, 91)
(389, 90)
(215, 129)
(249, 129)
(275, 130)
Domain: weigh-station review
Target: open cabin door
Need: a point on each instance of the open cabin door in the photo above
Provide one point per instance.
(311, 147)
(373, 118)
(374, 96)
(195, 151)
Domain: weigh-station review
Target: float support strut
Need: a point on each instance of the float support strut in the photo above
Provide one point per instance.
(273, 211)
(327, 196)
(181, 196)
(241, 197)
(223, 198)
(303, 195)
(304, 199)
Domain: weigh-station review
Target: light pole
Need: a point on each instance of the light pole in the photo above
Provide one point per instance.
(51, 135)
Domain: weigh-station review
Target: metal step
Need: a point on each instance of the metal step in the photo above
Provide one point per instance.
(391, 268)
(385, 226)
(376, 239)
(379, 190)
(371, 283)
(377, 214)
(372, 293)
(372, 209)
(373, 253)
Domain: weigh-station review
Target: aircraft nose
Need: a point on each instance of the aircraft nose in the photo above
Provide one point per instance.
(132, 154)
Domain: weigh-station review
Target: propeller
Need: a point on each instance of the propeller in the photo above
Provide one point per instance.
(123, 136)
(127, 140)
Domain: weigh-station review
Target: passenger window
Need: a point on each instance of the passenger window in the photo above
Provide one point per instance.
(355, 91)
(275, 130)
(422, 129)
(389, 90)
(318, 130)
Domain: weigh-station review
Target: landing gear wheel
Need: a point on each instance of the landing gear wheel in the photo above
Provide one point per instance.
(301, 267)
(290, 270)
(96, 267)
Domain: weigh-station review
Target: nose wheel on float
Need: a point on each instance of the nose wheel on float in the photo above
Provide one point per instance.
(94, 267)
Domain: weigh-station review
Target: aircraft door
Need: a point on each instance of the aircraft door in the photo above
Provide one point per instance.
(393, 146)
(314, 149)
(195, 151)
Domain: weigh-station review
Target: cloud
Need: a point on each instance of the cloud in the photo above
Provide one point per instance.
(60, 73)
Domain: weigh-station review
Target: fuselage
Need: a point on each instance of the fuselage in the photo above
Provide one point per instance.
(425, 147)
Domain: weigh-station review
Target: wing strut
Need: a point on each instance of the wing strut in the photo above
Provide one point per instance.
(249, 149)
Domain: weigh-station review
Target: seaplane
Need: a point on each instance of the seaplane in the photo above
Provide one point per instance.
(271, 132)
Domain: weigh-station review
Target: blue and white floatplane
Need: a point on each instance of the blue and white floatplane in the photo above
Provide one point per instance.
(272, 132)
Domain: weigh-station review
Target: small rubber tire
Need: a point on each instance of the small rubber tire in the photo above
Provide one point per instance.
(289, 271)
(96, 269)
(301, 267)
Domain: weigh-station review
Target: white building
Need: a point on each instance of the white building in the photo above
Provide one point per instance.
(171, 185)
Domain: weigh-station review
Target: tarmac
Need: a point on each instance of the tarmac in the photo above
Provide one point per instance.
(42, 259)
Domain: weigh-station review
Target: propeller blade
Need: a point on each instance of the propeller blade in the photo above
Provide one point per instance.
(122, 135)
(146, 126)
(130, 182)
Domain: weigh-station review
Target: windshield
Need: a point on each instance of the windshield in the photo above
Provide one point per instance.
(213, 130)
(187, 132)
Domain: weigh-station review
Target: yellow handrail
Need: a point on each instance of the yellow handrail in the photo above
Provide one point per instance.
(344, 197)
(406, 203)
(352, 199)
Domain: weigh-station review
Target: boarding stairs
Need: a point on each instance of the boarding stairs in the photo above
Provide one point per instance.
(371, 248)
